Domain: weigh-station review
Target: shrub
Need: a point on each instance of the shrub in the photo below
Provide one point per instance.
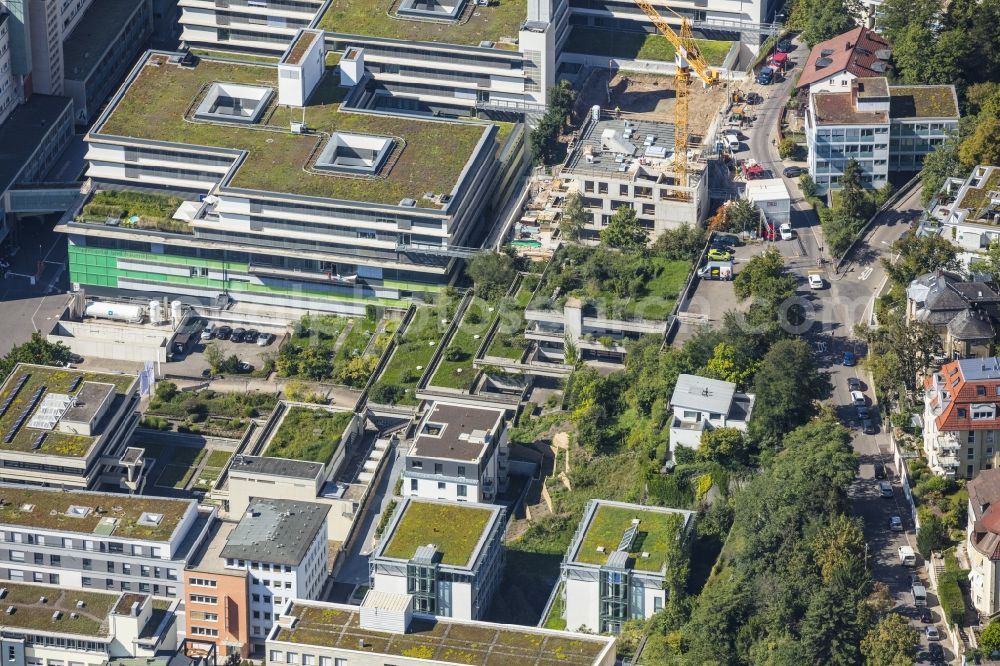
(383, 522)
(166, 391)
(950, 596)
(788, 148)
(387, 394)
(455, 354)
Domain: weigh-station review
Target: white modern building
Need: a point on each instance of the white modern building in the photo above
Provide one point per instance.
(771, 197)
(99, 541)
(448, 555)
(968, 211)
(384, 629)
(615, 567)
(282, 547)
(701, 404)
(53, 625)
(460, 453)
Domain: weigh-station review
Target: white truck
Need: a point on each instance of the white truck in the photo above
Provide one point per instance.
(907, 557)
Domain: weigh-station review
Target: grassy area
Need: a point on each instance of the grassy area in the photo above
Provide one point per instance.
(455, 368)
(135, 210)
(509, 342)
(90, 620)
(218, 458)
(555, 619)
(308, 434)
(416, 346)
(196, 407)
(455, 530)
(656, 532)
(312, 351)
(244, 57)
(922, 102)
(55, 380)
(428, 156)
(638, 46)
(977, 197)
(502, 19)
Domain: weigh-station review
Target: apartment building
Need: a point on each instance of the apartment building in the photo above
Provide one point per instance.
(961, 422)
(448, 555)
(9, 92)
(983, 534)
(771, 197)
(324, 214)
(885, 129)
(833, 65)
(68, 428)
(964, 312)
(615, 567)
(968, 211)
(701, 404)
(281, 546)
(460, 454)
(384, 629)
(53, 625)
(99, 541)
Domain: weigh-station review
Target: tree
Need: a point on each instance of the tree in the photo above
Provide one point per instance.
(822, 19)
(982, 147)
(387, 394)
(214, 356)
(357, 370)
(989, 640)
(789, 149)
(787, 387)
(562, 98)
(919, 255)
(941, 164)
(36, 350)
(732, 364)
(807, 185)
(726, 446)
(574, 217)
(683, 242)
(623, 231)
(492, 273)
(763, 278)
(898, 350)
(891, 642)
(839, 549)
(932, 535)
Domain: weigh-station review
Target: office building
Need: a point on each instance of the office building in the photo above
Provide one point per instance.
(9, 93)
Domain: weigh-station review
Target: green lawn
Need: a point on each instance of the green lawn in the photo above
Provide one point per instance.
(661, 292)
(135, 210)
(509, 342)
(638, 46)
(218, 458)
(502, 19)
(308, 434)
(455, 368)
(656, 532)
(455, 530)
(180, 467)
(555, 620)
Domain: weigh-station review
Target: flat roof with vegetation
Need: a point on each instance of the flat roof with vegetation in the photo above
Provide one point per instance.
(444, 640)
(608, 524)
(376, 18)
(158, 104)
(309, 434)
(30, 613)
(84, 512)
(976, 198)
(454, 528)
(55, 380)
(923, 102)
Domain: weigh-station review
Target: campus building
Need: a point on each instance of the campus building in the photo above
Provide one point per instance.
(321, 207)
(961, 420)
(448, 555)
(53, 625)
(615, 567)
(385, 629)
(885, 129)
(460, 454)
(69, 428)
(968, 211)
(99, 541)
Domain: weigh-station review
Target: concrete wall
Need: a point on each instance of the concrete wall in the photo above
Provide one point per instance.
(113, 341)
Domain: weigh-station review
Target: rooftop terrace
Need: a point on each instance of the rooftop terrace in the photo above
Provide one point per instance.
(311, 435)
(975, 198)
(923, 102)
(608, 525)
(455, 529)
(149, 518)
(17, 396)
(376, 18)
(31, 614)
(480, 644)
(100, 25)
(160, 102)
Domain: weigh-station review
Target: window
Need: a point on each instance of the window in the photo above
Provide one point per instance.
(126, 587)
(980, 390)
(293, 657)
(53, 579)
(17, 556)
(438, 468)
(127, 569)
(67, 543)
(461, 470)
(623, 190)
(325, 661)
(202, 599)
(137, 550)
(11, 654)
(961, 413)
(39, 558)
(88, 565)
(201, 582)
(86, 582)
(204, 631)
(276, 656)
(971, 437)
(255, 597)
(461, 491)
(144, 571)
(256, 615)
(111, 567)
(970, 454)
(441, 485)
(413, 485)
(308, 660)
(55, 560)
(417, 464)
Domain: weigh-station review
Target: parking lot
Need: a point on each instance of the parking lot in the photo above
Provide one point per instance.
(192, 362)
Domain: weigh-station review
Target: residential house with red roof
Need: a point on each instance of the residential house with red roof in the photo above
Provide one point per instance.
(832, 65)
(961, 419)
(983, 533)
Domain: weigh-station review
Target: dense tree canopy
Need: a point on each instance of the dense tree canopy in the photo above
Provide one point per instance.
(36, 350)
(787, 387)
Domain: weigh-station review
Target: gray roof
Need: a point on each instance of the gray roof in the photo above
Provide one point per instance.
(605, 162)
(968, 325)
(459, 423)
(90, 396)
(276, 531)
(296, 469)
(617, 560)
(703, 394)
(974, 369)
(23, 132)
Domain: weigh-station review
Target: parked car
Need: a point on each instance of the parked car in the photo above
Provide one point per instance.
(879, 470)
(853, 384)
(224, 332)
(245, 367)
(766, 76)
(792, 172)
(265, 339)
(858, 398)
(925, 615)
(863, 412)
(785, 46)
(727, 239)
(754, 98)
(815, 281)
(250, 337)
(868, 427)
(895, 524)
(932, 633)
(238, 334)
(885, 489)
(849, 359)
(208, 332)
(936, 653)
(719, 255)
(786, 231)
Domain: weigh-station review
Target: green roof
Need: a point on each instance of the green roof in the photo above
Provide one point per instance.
(977, 197)
(657, 530)
(310, 434)
(100, 25)
(31, 613)
(375, 18)
(159, 105)
(481, 643)
(923, 102)
(55, 380)
(50, 510)
(455, 529)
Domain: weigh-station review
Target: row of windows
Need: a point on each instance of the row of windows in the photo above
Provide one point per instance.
(114, 547)
(280, 657)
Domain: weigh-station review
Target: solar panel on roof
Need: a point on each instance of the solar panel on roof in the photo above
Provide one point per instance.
(75, 383)
(37, 444)
(13, 394)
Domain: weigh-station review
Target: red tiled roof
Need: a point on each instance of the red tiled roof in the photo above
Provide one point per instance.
(853, 51)
(963, 394)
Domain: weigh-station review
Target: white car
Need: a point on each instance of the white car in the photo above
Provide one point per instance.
(786, 231)
(815, 281)
(858, 398)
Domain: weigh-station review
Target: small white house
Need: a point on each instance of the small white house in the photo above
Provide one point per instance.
(700, 404)
(771, 196)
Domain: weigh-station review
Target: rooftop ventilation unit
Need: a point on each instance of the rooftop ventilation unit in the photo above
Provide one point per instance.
(56, 615)
(408, 203)
(10, 610)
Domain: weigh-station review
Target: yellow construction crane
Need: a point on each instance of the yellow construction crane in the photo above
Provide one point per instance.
(688, 57)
